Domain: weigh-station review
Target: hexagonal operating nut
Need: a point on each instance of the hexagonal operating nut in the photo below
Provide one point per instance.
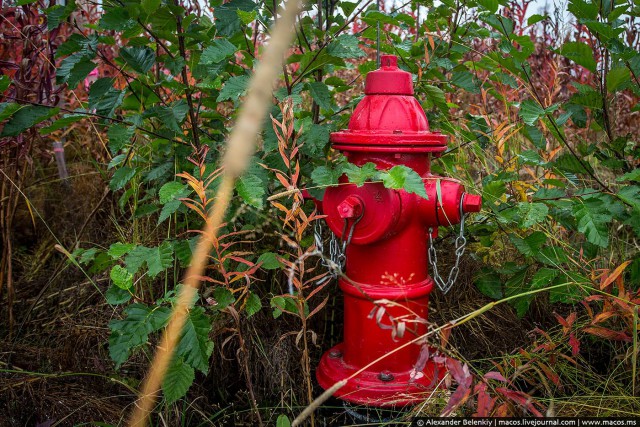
(471, 203)
(351, 207)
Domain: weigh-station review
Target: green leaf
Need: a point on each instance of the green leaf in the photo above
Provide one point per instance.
(117, 250)
(61, 123)
(195, 346)
(58, 13)
(269, 261)
(618, 78)
(104, 98)
(228, 22)
(324, 176)
(117, 19)
(150, 6)
(580, 53)
(534, 19)
(437, 97)
(543, 278)
(283, 421)
(630, 194)
(140, 58)
(115, 295)
(25, 117)
(177, 380)
(345, 46)
(169, 191)
(360, 175)
(489, 283)
(592, 221)
(121, 177)
(253, 304)
(490, 5)
(466, 81)
(121, 277)
(251, 189)
(8, 108)
(532, 213)
(224, 297)
(403, 177)
(218, 51)
(159, 259)
(234, 88)
(5, 81)
(634, 175)
(74, 68)
(315, 139)
(134, 329)
(320, 93)
(567, 162)
(119, 136)
(530, 244)
(530, 112)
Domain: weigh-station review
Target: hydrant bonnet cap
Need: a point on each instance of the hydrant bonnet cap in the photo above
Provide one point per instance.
(388, 79)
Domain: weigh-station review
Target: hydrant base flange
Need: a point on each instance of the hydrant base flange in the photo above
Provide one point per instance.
(375, 388)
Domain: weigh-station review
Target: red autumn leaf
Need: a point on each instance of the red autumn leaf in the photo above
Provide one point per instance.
(607, 333)
(575, 344)
(485, 402)
(458, 397)
(520, 398)
(493, 375)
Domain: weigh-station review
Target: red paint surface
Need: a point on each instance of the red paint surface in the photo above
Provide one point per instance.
(387, 256)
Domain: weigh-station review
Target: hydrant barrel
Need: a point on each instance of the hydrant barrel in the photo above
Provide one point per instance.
(387, 283)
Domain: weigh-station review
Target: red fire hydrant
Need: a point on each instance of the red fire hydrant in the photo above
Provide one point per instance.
(386, 292)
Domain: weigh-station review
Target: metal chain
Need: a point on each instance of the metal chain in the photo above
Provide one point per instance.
(337, 247)
(460, 245)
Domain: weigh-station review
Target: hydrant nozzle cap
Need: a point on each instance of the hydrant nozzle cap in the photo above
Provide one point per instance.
(388, 79)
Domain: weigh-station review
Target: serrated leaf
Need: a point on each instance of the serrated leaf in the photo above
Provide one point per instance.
(543, 278)
(315, 139)
(140, 58)
(320, 93)
(359, 175)
(580, 53)
(177, 380)
(117, 19)
(437, 97)
(117, 250)
(169, 191)
(195, 346)
(134, 329)
(253, 304)
(530, 112)
(403, 177)
(218, 51)
(466, 81)
(489, 283)
(269, 261)
(104, 98)
(115, 295)
(121, 177)
(233, 89)
(58, 13)
(532, 213)
(74, 68)
(630, 194)
(634, 175)
(228, 22)
(119, 136)
(324, 176)
(593, 222)
(251, 189)
(150, 6)
(159, 259)
(25, 117)
(121, 277)
(530, 244)
(345, 46)
(61, 123)
(224, 297)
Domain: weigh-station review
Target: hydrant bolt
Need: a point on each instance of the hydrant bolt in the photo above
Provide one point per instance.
(471, 203)
(335, 354)
(351, 207)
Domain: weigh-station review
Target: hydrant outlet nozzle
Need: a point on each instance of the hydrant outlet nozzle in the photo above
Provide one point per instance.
(351, 207)
(471, 203)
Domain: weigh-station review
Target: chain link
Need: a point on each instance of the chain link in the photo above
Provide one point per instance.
(460, 244)
(335, 262)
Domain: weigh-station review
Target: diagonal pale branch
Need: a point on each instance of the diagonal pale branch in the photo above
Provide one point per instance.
(240, 147)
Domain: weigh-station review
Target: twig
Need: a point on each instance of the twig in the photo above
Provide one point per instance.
(240, 147)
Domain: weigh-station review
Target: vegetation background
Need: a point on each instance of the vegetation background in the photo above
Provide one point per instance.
(113, 118)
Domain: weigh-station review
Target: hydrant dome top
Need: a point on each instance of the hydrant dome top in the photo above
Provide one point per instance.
(388, 79)
(389, 118)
